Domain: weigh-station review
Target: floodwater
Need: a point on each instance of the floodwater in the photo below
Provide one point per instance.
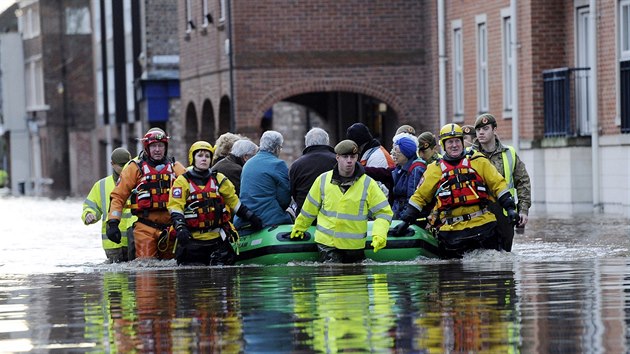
(564, 289)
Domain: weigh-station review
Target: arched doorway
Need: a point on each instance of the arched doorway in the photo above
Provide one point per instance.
(192, 126)
(207, 123)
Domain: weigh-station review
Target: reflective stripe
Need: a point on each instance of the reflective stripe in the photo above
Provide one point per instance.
(313, 201)
(307, 214)
(90, 204)
(322, 186)
(379, 206)
(104, 198)
(509, 163)
(347, 235)
(353, 217)
(366, 184)
(383, 216)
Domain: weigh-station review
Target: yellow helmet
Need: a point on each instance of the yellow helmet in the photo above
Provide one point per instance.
(196, 146)
(450, 130)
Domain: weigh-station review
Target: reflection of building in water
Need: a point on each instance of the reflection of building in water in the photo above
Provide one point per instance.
(569, 303)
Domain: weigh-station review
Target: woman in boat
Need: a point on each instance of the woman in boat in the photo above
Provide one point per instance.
(200, 204)
(408, 171)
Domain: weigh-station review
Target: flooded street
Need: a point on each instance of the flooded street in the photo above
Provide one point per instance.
(563, 289)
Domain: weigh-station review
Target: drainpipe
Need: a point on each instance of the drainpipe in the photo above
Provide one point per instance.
(514, 48)
(441, 63)
(593, 109)
(230, 49)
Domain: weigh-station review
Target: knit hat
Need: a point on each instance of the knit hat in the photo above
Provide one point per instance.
(359, 133)
(406, 128)
(407, 145)
(484, 120)
(426, 140)
(346, 147)
(120, 156)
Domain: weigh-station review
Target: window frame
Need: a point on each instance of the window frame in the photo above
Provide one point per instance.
(481, 27)
(458, 69)
(508, 61)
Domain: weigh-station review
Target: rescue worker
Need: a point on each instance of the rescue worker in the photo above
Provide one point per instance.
(343, 200)
(507, 162)
(464, 186)
(147, 180)
(96, 205)
(405, 128)
(200, 204)
(428, 150)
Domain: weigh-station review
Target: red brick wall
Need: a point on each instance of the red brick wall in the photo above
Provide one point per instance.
(283, 48)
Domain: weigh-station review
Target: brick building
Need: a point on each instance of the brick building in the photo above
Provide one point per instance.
(341, 62)
(59, 94)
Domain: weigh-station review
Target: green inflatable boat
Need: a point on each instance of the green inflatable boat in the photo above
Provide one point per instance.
(274, 246)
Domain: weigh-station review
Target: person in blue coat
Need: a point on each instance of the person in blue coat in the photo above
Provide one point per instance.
(408, 171)
(265, 183)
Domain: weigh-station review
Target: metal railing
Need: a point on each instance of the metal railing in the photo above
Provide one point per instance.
(566, 102)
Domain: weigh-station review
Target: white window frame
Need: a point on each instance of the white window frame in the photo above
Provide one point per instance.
(458, 70)
(28, 22)
(204, 14)
(482, 64)
(189, 16)
(34, 82)
(223, 12)
(624, 30)
(508, 61)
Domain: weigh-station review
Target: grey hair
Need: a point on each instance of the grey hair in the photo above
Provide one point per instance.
(244, 147)
(316, 136)
(271, 141)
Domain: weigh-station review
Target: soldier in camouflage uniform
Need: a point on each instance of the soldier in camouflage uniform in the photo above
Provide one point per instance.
(428, 149)
(507, 162)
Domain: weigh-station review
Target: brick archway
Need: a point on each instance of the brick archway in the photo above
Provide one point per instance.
(329, 85)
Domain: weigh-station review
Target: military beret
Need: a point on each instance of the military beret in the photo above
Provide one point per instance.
(426, 140)
(346, 147)
(120, 156)
(469, 130)
(484, 120)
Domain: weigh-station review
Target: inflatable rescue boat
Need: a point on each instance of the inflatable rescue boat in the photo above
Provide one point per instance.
(273, 245)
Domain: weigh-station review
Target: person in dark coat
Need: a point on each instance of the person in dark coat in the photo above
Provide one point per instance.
(318, 157)
(232, 165)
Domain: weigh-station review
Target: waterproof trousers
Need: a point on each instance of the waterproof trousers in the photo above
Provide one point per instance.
(454, 244)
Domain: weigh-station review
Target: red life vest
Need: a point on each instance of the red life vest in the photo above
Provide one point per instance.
(205, 207)
(460, 185)
(152, 191)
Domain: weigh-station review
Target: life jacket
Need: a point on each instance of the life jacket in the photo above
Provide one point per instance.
(152, 191)
(388, 158)
(205, 207)
(461, 185)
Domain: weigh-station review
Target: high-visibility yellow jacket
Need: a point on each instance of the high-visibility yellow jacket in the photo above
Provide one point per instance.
(181, 190)
(342, 217)
(97, 203)
(430, 183)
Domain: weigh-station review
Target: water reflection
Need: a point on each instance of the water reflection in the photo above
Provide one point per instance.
(563, 289)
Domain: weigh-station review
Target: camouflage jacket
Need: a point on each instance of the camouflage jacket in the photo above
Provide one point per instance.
(520, 175)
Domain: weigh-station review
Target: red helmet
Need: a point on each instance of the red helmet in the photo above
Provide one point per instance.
(154, 135)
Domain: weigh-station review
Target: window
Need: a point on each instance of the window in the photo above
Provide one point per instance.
(223, 5)
(78, 21)
(28, 22)
(190, 24)
(482, 64)
(207, 18)
(624, 29)
(506, 26)
(458, 71)
(34, 82)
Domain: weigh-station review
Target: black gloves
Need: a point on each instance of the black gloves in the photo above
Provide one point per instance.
(254, 220)
(182, 233)
(112, 231)
(410, 215)
(401, 228)
(507, 202)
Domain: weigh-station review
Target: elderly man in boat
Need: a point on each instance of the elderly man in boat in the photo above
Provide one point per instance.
(342, 200)
(464, 185)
